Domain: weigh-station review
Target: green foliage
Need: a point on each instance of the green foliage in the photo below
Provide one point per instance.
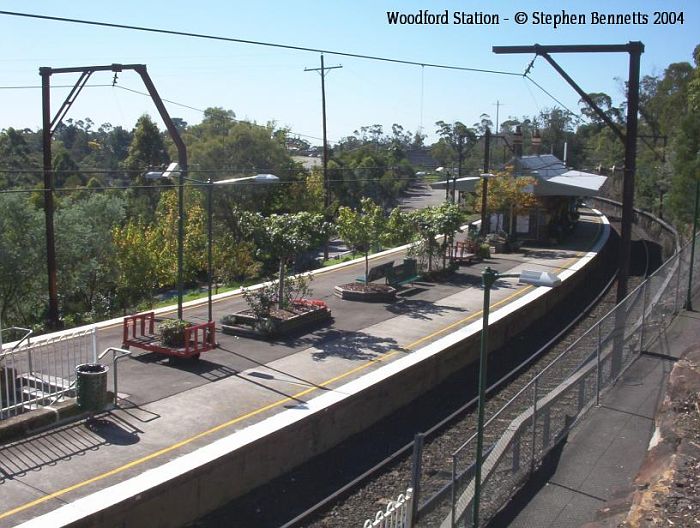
(361, 228)
(442, 220)
(85, 252)
(172, 332)
(22, 261)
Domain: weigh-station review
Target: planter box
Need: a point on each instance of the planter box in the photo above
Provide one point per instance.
(244, 324)
(377, 293)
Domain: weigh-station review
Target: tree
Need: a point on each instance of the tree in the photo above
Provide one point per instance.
(22, 274)
(285, 236)
(361, 228)
(85, 253)
(441, 220)
(508, 194)
(146, 150)
(456, 140)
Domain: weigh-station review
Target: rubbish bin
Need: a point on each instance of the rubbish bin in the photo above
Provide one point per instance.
(91, 386)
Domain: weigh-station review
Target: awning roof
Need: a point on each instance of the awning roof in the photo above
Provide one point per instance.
(553, 178)
(464, 184)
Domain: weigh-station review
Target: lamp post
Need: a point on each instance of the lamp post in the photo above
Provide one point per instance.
(489, 277)
(258, 179)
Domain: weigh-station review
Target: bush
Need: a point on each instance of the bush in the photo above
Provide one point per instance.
(172, 332)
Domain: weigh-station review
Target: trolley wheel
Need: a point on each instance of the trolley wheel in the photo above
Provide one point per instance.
(173, 360)
(195, 357)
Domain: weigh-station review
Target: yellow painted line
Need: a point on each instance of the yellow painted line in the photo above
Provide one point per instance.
(251, 414)
(260, 410)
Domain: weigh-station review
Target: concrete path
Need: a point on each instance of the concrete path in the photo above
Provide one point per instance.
(598, 462)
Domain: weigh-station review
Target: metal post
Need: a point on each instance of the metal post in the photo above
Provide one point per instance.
(534, 426)
(94, 344)
(210, 216)
(644, 315)
(689, 298)
(453, 492)
(485, 182)
(599, 372)
(48, 196)
(635, 51)
(415, 476)
(679, 275)
(488, 276)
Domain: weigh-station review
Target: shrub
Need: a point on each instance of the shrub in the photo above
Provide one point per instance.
(172, 332)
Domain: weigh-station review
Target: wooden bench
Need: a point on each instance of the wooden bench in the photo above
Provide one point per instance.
(401, 274)
(376, 272)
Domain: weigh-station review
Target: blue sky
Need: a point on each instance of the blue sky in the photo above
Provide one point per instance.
(268, 84)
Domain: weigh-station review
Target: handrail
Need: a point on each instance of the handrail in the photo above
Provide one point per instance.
(117, 354)
(26, 337)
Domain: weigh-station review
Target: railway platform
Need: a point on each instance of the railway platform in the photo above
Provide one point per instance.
(160, 452)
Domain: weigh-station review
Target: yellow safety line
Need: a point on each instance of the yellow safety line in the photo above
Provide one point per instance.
(238, 419)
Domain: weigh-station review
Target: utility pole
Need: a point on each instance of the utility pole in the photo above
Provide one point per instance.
(485, 182)
(326, 191)
(498, 107)
(628, 137)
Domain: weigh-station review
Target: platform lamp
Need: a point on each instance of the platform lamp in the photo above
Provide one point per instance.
(168, 174)
(489, 277)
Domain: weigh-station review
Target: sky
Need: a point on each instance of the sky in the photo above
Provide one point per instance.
(263, 83)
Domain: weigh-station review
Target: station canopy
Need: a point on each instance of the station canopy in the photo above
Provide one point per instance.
(553, 178)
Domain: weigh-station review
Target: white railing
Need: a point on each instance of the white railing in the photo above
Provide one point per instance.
(39, 372)
(396, 514)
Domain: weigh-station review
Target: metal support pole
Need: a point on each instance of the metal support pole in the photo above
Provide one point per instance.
(182, 162)
(488, 276)
(644, 315)
(415, 476)
(534, 425)
(689, 297)
(48, 196)
(485, 182)
(453, 493)
(599, 371)
(635, 51)
(210, 244)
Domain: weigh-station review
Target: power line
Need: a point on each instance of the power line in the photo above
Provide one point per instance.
(254, 42)
(170, 101)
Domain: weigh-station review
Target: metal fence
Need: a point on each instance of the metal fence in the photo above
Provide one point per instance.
(39, 372)
(396, 514)
(531, 424)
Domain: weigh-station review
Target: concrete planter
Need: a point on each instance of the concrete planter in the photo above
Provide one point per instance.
(246, 325)
(349, 292)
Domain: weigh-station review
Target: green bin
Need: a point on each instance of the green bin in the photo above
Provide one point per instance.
(91, 386)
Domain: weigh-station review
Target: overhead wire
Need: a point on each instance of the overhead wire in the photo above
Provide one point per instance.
(254, 42)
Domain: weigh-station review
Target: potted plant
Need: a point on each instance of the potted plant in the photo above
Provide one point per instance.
(172, 332)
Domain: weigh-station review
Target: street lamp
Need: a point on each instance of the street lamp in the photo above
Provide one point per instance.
(489, 277)
(168, 174)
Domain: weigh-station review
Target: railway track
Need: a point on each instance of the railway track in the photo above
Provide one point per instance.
(352, 481)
